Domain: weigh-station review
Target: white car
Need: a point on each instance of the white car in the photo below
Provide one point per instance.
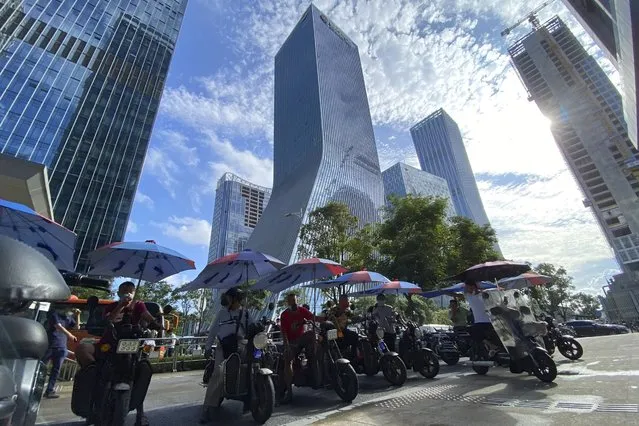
(435, 328)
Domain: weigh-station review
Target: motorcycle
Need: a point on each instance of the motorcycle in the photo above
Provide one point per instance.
(335, 370)
(444, 345)
(411, 350)
(376, 356)
(105, 392)
(568, 346)
(8, 396)
(517, 346)
(247, 379)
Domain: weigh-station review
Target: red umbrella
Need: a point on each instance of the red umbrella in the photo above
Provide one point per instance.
(301, 272)
(527, 279)
(492, 271)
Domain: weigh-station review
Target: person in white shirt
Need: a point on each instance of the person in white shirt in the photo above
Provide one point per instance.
(482, 329)
(385, 317)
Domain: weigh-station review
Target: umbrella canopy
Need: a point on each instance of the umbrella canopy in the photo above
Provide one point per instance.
(303, 271)
(146, 261)
(234, 269)
(359, 277)
(24, 224)
(455, 289)
(28, 275)
(392, 287)
(492, 271)
(528, 279)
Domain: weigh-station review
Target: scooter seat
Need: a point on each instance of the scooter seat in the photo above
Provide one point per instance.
(22, 338)
(534, 329)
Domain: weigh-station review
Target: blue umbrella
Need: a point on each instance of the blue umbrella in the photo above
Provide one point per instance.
(393, 287)
(24, 224)
(455, 289)
(234, 269)
(146, 261)
(359, 277)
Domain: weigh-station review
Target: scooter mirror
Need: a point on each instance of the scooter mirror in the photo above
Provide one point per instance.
(167, 309)
(271, 306)
(352, 306)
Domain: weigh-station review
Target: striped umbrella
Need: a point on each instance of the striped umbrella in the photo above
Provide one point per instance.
(528, 279)
(359, 277)
(234, 269)
(301, 272)
(392, 287)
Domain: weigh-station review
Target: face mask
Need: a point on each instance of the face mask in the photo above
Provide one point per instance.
(125, 295)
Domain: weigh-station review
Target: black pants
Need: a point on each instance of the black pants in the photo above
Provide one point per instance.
(389, 339)
(482, 331)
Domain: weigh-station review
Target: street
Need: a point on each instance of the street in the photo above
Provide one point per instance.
(600, 388)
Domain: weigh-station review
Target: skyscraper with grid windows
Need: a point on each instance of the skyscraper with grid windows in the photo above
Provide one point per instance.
(80, 86)
(587, 122)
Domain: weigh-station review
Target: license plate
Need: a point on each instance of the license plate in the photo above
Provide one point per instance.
(257, 354)
(331, 334)
(128, 346)
(382, 346)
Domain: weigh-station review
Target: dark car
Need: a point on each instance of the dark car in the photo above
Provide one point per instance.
(585, 328)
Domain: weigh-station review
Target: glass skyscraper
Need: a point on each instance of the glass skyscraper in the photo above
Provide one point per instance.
(440, 150)
(402, 180)
(80, 86)
(238, 207)
(324, 147)
(572, 90)
(614, 25)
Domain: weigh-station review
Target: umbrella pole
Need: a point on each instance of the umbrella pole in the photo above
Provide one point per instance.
(137, 287)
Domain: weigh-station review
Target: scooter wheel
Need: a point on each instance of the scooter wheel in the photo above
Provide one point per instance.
(571, 349)
(544, 367)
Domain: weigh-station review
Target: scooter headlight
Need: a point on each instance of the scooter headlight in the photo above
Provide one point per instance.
(260, 340)
(380, 333)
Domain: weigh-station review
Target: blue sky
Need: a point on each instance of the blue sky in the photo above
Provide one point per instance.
(216, 116)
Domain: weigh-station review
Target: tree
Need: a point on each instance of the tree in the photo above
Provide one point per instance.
(585, 304)
(85, 293)
(160, 292)
(470, 244)
(327, 232)
(554, 298)
(440, 316)
(363, 248)
(413, 241)
(254, 298)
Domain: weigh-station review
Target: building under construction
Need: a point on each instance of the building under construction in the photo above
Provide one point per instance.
(585, 109)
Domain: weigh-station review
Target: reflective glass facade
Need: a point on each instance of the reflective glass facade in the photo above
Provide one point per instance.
(402, 180)
(80, 86)
(572, 90)
(324, 144)
(440, 150)
(238, 207)
(614, 25)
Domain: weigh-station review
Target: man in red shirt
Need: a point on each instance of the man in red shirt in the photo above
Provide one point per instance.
(296, 339)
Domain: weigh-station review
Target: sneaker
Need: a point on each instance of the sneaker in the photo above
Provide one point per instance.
(51, 395)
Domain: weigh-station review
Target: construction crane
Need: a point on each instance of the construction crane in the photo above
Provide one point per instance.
(531, 17)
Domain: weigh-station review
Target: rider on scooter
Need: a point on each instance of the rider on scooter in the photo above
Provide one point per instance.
(341, 315)
(295, 339)
(482, 329)
(229, 326)
(386, 316)
(115, 313)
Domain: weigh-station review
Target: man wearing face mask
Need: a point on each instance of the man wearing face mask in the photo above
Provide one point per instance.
(228, 328)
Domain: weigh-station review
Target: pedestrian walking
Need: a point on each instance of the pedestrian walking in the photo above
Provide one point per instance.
(58, 333)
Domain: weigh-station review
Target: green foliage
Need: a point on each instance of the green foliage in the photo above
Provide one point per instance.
(470, 244)
(301, 298)
(254, 298)
(85, 293)
(362, 249)
(554, 298)
(440, 316)
(585, 305)
(327, 232)
(161, 292)
(415, 308)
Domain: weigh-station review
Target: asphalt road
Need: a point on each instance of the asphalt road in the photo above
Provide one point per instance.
(602, 387)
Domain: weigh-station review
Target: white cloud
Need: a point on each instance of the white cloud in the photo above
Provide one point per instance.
(132, 227)
(416, 57)
(189, 230)
(178, 144)
(144, 199)
(159, 164)
(243, 163)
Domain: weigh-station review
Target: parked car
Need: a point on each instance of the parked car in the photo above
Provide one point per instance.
(585, 328)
